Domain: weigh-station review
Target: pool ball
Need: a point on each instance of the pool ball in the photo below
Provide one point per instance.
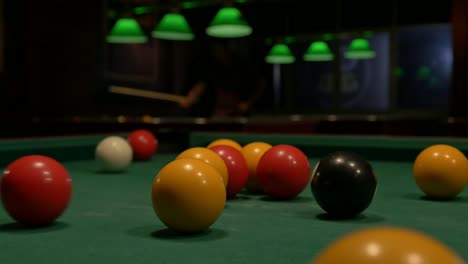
(227, 142)
(209, 157)
(343, 184)
(283, 171)
(144, 144)
(35, 190)
(188, 195)
(441, 171)
(113, 154)
(387, 244)
(238, 172)
(252, 153)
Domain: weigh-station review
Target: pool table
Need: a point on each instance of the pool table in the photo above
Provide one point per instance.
(110, 218)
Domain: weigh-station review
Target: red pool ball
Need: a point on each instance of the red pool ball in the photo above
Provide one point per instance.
(35, 190)
(144, 144)
(283, 171)
(236, 164)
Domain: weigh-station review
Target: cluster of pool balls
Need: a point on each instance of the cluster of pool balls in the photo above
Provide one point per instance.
(190, 192)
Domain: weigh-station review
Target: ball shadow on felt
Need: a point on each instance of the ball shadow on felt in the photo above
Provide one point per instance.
(14, 227)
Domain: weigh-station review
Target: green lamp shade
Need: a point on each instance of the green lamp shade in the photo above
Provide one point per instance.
(318, 51)
(173, 27)
(228, 23)
(141, 10)
(127, 30)
(424, 73)
(280, 54)
(359, 49)
(190, 4)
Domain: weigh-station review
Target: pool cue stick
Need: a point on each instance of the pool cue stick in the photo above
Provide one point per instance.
(146, 94)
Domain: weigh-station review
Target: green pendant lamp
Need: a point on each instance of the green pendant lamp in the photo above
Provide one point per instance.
(173, 26)
(142, 10)
(228, 23)
(424, 73)
(359, 49)
(318, 51)
(127, 31)
(280, 54)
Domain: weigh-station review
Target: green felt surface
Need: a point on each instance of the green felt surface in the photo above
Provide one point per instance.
(66, 148)
(110, 218)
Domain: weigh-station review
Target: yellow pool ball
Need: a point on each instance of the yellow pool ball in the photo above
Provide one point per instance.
(188, 195)
(441, 171)
(227, 142)
(392, 245)
(252, 153)
(209, 157)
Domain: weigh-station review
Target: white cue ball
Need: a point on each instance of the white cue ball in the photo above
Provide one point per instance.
(114, 154)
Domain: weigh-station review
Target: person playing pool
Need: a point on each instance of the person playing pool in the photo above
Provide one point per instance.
(226, 86)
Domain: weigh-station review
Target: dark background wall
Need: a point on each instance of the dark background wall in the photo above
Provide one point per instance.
(2, 28)
(55, 51)
(460, 63)
(53, 56)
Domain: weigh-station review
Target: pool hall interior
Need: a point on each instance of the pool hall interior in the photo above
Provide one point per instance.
(237, 131)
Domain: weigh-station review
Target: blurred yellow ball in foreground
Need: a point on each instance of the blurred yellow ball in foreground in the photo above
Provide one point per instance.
(387, 245)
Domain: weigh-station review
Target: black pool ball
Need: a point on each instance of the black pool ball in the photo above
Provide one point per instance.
(343, 184)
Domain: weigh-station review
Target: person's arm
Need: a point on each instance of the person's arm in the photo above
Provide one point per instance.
(193, 95)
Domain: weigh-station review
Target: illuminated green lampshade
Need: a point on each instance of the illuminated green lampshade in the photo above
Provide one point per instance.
(318, 51)
(173, 27)
(190, 4)
(424, 73)
(127, 30)
(359, 49)
(142, 10)
(228, 23)
(280, 54)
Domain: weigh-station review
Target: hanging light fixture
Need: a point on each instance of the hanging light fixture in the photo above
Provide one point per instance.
(359, 49)
(228, 23)
(142, 10)
(127, 31)
(280, 54)
(318, 51)
(173, 26)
